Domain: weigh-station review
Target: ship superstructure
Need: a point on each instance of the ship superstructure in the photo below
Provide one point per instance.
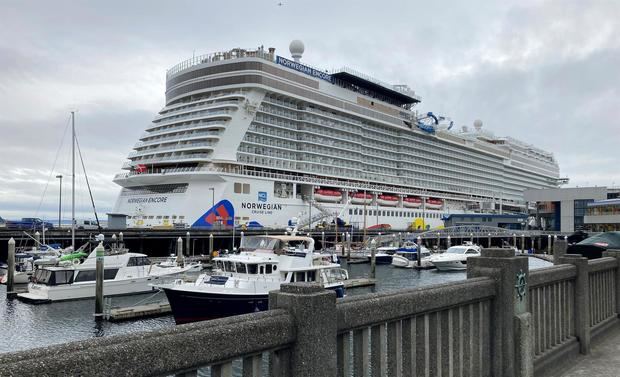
(249, 137)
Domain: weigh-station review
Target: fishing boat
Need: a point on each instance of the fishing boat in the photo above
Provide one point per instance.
(455, 258)
(240, 283)
(124, 273)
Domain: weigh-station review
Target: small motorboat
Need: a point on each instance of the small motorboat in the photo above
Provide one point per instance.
(455, 258)
(407, 257)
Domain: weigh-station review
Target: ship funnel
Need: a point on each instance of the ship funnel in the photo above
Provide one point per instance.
(297, 49)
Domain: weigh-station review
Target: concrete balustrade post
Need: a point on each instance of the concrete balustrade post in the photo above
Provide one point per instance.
(559, 250)
(615, 253)
(582, 299)
(314, 310)
(511, 340)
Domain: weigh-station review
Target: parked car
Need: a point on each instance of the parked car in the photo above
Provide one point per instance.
(32, 223)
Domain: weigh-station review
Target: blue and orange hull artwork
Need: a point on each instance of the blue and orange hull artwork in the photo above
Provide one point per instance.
(222, 212)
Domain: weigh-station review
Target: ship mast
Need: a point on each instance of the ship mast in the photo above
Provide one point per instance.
(73, 180)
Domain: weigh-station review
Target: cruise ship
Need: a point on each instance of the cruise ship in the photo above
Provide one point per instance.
(248, 138)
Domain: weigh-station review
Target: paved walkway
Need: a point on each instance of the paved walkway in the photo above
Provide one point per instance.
(604, 360)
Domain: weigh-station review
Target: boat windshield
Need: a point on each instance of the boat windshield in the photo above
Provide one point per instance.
(253, 243)
(456, 250)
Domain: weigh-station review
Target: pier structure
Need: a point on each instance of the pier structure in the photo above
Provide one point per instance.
(503, 320)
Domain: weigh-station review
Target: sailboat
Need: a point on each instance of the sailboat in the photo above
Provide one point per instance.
(124, 272)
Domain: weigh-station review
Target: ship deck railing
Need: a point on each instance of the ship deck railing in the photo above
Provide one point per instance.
(374, 187)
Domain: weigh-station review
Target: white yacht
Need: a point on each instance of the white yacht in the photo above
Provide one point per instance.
(455, 258)
(407, 257)
(249, 137)
(240, 283)
(124, 273)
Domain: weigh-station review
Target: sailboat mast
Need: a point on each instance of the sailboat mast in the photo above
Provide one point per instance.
(73, 180)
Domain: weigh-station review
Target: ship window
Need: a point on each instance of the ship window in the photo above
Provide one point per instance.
(110, 273)
(261, 269)
(246, 188)
(311, 275)
(237, 188)
(229, 266)
(350, 211)
(64, 277)
(300, 276)
(158, 217)
(85, 275)
(252, 269)
(241, 268)
(275, 267)
(268, 269)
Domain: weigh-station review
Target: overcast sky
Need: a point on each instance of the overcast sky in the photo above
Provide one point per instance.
(546, 72)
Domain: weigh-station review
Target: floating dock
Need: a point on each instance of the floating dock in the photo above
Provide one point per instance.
(139, 311)
(359, 282)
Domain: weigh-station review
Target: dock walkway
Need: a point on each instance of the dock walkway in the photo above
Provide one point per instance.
(604, 360)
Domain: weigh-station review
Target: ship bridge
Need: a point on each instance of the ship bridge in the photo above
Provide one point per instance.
(399, 95)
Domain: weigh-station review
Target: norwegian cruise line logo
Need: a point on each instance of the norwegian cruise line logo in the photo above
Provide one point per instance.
(262, 196)
(221, 213)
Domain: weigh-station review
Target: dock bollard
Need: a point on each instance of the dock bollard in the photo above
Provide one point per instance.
(10, 273)
(348, 246)
(322, 241)
(373, 258)
(120, 240)
(180, 251)
(418, 254)
(448, 242)
(187, 243)
(549, 244)
(210, 246)
(37, 239)
(99, 282)
(114, 243)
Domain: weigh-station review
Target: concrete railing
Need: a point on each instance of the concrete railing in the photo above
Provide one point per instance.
(501, 321)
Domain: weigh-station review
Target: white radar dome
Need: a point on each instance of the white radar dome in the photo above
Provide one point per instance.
(478, 124)
(297, 49)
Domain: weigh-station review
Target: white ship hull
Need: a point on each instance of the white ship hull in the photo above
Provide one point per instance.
(199, 206)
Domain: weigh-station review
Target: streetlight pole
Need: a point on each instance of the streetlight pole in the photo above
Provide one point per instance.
(59, 176)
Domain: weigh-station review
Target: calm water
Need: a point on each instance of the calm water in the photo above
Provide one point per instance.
(24, 326)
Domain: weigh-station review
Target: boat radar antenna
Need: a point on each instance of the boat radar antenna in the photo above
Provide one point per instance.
(297, 49)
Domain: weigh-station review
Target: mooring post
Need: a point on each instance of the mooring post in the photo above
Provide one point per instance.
(418, 253)
(343, 246)
(373, 258)
(322, 241)
(99, 276)
(581, 300)
(448, 242)
(315, 318)
(549, 244)
(179, 251)
(10, 273)
(121, 240)
(242, 240)
(348, 246)
(489, 241)
(114, 243)
(210, 246)
(187, 244)
(37, 239)
(514, 240)
(523, 243)
(511, 340)
(559, 250)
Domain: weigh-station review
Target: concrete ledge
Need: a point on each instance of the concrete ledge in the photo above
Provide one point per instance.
(602, 264)
(600, 329)
(553, 274)
(377, 308)
(160, 352)
(552, 361)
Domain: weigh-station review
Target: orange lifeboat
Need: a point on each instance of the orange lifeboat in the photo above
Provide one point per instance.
(432, 203)
(326, 195)
(412, 202)
(361, 198)
(387, 200)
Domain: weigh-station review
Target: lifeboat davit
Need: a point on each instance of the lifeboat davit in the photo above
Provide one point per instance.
(387, 200)
(324, 195)
(412, 202)
(361, 198)
(432, 203)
